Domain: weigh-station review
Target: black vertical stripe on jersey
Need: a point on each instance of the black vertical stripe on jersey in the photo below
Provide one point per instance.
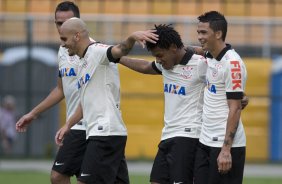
(221, 54)
(234, 95)
(110, 56)
(87, 49)
(156, 68)
(188, 55)
(59, 74)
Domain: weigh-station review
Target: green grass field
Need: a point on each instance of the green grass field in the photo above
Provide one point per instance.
(34, 177)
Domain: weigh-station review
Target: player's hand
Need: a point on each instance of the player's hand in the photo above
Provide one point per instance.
(244, 101)
(24, 121)
(224, 161)
(142, 37)
(59, 137)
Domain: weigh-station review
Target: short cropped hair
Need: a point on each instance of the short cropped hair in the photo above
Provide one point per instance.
(216, 20)
(68, 6)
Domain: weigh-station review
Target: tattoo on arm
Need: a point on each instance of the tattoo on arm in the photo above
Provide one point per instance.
(231, 136)
(226, 142)
(124, 48)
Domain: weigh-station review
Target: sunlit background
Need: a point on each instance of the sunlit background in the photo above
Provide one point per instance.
(28, 68)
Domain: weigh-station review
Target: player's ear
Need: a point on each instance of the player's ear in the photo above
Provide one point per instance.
(77, 36)
(218, 35)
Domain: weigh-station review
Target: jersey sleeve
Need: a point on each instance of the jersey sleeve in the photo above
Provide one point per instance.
(60, 57)
(157, 67)
(110, 56)
(234, 80)
(202, 68)
(101, 53)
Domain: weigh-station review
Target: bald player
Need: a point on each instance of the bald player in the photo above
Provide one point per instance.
(69, 156)
(98, 81)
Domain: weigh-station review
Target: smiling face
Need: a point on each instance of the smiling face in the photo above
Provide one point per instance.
(69, 40)
(206, 36)
(166, 57)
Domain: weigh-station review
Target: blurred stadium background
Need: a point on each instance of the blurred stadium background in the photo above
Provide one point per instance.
(28, 70)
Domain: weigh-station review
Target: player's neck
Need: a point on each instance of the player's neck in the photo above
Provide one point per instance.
(85, 44)
(180, 55)
(217, 48)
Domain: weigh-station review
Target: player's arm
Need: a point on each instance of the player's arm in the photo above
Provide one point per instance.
(138, 65)
(196, 49)
(76, 117)
(141, 37)
(245, 101)
(54, 97)
(225, 158)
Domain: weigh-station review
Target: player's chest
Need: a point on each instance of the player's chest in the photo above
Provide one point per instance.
(183, 74)
(216, 71)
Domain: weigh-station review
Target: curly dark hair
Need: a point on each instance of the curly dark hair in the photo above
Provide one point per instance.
(167, 37)
(216, 20)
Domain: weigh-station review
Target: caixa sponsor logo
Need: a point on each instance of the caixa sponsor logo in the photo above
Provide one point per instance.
(67, 72)
(83, 80)
(211, 87)
(174, 89)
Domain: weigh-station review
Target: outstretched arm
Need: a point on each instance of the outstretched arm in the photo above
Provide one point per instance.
(196, 49)
(138, 65)
(54, 97)
(141, 37)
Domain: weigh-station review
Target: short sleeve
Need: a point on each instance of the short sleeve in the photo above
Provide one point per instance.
(202, 68)
(234, 80)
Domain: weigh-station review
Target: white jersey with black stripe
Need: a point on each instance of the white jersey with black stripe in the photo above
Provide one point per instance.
(68, 69)
(183, 92)
(226, 76)
(99, 85)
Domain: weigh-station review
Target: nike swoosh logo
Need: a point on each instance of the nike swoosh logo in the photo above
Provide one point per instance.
(82, 174)
(57, 163)
(177, 182)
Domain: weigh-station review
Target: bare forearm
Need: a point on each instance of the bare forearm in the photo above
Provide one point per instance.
(54, 97)
(196, 49)
(123, 48)
(232, 126)
(138, 65)
(126, 46)
(76, 117)
(141, 37)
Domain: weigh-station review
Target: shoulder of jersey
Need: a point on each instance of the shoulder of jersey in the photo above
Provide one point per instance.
(232, 55)
(63, 50)
(198, 58)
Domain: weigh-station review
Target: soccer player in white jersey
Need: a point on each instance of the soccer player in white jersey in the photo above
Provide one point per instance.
(220, 156)
(98, 81)
(69, 156)
(183, 81)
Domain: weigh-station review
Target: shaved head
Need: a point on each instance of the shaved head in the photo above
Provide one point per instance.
(75, 25)
(74, 36)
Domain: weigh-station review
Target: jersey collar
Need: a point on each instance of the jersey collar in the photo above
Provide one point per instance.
(221, 54)
(186, 57)
(87, 48)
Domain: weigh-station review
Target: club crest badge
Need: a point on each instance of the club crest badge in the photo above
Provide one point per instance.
(186, 72)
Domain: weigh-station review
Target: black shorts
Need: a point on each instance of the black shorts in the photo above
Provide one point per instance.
(104, 161)
(206, 169)
(174, 162)
(70, 155)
